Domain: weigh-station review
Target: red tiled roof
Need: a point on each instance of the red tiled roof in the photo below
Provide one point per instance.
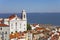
(16, 35)
(3, 25)
(37, 28)
(55, 37)
(51, 33)
(12, 36)
(12, 16)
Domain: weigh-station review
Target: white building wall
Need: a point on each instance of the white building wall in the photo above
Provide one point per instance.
(6, 21)
(19, 25)
(12, 26)
(24, 26)
(33, 28)
(13, 39)
(4, 33)
(21, 39)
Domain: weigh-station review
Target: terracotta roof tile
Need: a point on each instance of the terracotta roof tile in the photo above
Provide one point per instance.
(55, 37)
(12, 36)
(3, 25)
(16, 35)
(37, 28)
(12, 16)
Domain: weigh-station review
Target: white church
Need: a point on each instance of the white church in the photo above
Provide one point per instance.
(16, 23)
(13, 24)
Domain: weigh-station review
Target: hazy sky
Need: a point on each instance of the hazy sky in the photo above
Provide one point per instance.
(15, 6)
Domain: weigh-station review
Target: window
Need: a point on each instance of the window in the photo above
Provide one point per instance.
(8, 22)
(16, 31)
(11, 32)
(24, 16)
(24, 24)
(16, 18)
(6, 32)
(24, 28)
(0, 28)
(11, 25)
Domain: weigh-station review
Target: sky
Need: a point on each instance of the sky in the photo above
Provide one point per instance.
(16, 6)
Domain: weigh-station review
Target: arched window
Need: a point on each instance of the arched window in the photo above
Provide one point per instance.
(24, 28)
(24, 16)
(24, 24)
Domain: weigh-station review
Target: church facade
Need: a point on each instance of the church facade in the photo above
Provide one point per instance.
(18, 24)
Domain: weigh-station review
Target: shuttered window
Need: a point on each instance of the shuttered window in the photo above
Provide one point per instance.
(0, 28)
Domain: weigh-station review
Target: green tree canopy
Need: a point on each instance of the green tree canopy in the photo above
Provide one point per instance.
(28, 27)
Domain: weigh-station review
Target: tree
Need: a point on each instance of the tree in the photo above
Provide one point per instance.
(28, 27)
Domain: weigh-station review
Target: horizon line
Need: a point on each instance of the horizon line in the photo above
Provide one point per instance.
(29, 12)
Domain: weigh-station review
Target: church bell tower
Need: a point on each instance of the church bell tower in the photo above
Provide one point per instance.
(24, 21)
(24, 15)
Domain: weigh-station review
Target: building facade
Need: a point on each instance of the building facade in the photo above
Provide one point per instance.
(4, 32)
